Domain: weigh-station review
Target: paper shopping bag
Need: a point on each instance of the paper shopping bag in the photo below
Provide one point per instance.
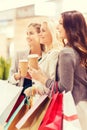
(17, 115)
(1, 127)
(17, 104)
(70, 117)
(53, 116)
(82, 114)
(8, 97)
(32, 119)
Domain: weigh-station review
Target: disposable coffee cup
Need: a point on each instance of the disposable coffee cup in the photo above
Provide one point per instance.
(23, 65)
(33, 61)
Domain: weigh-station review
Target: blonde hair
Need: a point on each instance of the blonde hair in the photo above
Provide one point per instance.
(53, 30)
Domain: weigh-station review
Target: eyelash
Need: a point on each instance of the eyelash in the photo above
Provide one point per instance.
(60, 23)
(42, 30)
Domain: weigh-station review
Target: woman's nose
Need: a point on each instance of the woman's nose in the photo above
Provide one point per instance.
(57, 27)
(39, 34)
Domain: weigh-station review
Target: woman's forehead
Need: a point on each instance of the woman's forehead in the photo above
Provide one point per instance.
(44, 24)
(60, 18)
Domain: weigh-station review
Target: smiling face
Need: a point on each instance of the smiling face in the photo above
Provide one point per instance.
(45, 34)
(32, 36)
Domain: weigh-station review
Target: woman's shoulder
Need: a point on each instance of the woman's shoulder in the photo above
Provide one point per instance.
(68, 51)
(54, 51)
(69, 54)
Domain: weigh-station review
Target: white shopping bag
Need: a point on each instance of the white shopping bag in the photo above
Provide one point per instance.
(70, 117)
(8, 97)
(82, 114)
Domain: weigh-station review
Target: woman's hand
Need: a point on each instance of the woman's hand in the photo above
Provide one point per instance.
(17, 76)
(37, 75)
(31, 91)
(28, 76)
(28, 92)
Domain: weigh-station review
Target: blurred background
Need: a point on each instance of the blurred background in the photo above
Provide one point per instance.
(15, 15)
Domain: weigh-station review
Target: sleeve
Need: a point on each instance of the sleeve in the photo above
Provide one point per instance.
(49, 83)
(52, 61)
(66, 72)
(13, 69)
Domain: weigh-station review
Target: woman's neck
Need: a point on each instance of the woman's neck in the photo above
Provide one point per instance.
(35, 50)
(48, 47)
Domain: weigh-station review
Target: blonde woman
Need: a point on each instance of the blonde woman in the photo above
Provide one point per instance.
(48, 37)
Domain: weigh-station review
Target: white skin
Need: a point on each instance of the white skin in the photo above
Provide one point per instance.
(34, 45)
(46, 39)
(33, 40)
(61, 29)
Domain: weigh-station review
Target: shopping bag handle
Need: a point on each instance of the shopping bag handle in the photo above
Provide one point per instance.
(54, 89)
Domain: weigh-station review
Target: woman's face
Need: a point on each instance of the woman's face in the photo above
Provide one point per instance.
(32, 36)
(45, 35)
(61, 29)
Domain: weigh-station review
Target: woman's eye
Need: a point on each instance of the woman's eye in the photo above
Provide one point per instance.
(30, 33)
(60, 23)
(42, 30)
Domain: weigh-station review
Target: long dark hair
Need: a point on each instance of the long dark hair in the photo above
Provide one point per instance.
(76, 31)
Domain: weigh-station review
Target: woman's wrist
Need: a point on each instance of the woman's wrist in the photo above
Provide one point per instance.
(43, 80)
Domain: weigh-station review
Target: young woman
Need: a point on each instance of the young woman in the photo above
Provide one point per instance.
(35, 47)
